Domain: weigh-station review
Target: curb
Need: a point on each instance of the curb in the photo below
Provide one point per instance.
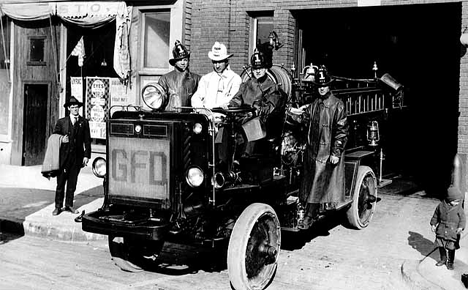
(42, 224)
(414, 279)
(28, 228)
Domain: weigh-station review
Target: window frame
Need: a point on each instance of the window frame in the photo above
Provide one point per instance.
(253, 33)
(148, 70)
(44, 54)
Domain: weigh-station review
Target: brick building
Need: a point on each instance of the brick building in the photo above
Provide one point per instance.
(417, 42)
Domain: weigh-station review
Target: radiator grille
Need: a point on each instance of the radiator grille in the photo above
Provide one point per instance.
(139, 168)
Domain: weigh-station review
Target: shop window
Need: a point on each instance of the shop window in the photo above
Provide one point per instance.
(36, 50)
(261, 26)
(156, 33)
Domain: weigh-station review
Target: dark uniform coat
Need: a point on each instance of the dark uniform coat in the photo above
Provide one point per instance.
(448, 219)
(179, 87)
(266, 97)
(322, 181)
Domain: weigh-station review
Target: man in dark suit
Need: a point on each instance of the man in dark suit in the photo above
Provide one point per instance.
(75, 152)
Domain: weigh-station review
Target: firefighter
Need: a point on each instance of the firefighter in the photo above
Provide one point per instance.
(261, 93)
(327, 126)
(219, 86)
(179, 84)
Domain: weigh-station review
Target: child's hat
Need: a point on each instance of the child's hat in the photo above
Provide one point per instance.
(453, 193)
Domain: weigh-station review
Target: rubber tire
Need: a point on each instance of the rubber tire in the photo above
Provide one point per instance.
(361, 211)
(126, 257)
(245, 231)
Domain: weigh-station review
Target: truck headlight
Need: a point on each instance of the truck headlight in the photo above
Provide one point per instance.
(153, 96)
(197, 128)
(195, 176)
(99, 167)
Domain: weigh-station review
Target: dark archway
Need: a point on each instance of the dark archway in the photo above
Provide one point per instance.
(419, 46)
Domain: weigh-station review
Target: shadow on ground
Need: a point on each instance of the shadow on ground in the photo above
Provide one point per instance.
(16, 204)
(424, 246)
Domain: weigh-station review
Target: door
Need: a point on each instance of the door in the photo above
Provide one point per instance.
(35, 123)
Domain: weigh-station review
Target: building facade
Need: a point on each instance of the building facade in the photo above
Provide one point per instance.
(417, 42)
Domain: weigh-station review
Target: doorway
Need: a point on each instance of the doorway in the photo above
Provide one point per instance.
(423, 55)
(35, 123)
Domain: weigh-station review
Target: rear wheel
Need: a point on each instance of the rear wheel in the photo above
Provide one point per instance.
(254, 248)
(134, 255)
(364, 199)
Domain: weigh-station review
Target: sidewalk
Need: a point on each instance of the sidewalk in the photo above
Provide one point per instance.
(27, 202)
(424, 274)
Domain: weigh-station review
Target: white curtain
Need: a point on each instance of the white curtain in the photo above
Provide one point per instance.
(84, 14)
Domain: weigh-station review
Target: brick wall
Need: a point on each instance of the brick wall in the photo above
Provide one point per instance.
(463, 102)
(228, 21)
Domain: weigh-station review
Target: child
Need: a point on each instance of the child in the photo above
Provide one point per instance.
(448, 222)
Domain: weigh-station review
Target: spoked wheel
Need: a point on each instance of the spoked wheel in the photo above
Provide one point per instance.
(254, 248)
(364, 199)
(132, 255)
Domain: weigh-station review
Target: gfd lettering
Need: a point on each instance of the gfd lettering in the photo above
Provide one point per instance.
(127, 166)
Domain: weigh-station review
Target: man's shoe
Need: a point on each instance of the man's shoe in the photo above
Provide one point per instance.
(450, 266)
(441, 263)
(71, 209)
(79, 218)
(56, 211)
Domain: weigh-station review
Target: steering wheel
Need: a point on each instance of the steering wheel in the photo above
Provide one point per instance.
(234, 110)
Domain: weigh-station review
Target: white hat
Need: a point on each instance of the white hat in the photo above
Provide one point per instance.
(218, 52)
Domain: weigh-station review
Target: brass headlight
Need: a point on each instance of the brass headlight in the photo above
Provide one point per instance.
(153, 96)
(99, 167)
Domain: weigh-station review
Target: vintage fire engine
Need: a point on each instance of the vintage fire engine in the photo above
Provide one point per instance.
(162, 181)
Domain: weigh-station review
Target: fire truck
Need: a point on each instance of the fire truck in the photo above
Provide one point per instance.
(162, 182)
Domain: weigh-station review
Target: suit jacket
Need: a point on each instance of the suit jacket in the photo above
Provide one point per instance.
(79, 144)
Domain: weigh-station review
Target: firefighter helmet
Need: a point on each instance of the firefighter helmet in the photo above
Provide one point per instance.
(257, 60)
(179, 52)
(322, 77)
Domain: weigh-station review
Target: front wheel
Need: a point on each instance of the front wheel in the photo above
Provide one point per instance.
(364, 199)
(254, 248)
(133, 255)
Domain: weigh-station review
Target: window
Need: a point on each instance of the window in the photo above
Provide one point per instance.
(36, 50)
(261, 26)
(156, 26)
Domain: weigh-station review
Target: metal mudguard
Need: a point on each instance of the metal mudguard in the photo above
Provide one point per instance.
(111, 223)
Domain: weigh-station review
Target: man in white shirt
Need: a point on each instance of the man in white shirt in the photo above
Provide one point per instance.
(219, 86)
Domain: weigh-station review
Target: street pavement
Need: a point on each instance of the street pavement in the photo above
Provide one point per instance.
(27, 202)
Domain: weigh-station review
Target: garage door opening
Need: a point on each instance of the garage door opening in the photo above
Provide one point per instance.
(419, 46)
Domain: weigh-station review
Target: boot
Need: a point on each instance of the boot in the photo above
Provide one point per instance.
(451, 259)
(310, 216)
(443, 257)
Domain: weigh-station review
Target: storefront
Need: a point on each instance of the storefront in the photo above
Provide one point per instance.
(100, 52)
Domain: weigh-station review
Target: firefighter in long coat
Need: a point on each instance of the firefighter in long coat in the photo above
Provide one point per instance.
(179, 84)
(261, 93)
(323, 180)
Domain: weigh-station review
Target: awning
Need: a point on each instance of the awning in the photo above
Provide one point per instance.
(85, 13)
